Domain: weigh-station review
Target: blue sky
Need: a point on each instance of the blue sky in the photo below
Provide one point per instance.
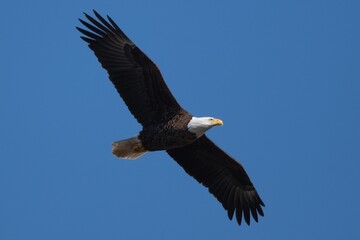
(283, 75)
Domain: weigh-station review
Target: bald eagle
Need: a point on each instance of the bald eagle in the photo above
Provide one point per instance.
(166, 125)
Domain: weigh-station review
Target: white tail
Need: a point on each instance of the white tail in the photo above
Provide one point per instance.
(130, 148)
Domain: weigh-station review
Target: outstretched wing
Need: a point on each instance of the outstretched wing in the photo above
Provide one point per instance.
(134, 75)
(224, 176)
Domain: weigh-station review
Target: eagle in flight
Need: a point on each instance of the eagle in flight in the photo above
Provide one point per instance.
(166, 125)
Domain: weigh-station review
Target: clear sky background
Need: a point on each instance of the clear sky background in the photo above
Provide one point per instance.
(283, 75)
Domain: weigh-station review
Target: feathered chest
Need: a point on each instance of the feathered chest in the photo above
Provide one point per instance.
(168, 135)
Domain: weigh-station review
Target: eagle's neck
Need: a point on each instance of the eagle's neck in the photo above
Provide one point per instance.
(199, 125)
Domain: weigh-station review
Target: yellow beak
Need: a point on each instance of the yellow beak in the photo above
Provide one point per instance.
(218, 122)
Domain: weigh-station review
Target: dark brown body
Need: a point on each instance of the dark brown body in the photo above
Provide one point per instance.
(168, 135)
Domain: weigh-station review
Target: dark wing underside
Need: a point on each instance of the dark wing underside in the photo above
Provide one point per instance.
(224, 176)
(134, 75)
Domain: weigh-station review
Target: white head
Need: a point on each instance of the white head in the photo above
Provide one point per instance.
(199, 125)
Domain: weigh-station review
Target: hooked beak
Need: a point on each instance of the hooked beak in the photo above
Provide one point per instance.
(218, 122)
